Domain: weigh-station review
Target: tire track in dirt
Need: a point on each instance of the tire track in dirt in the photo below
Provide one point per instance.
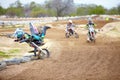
(54, 47)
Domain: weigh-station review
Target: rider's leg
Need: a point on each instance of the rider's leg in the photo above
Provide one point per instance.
(35, 50)
(88, 36)
(72, 31)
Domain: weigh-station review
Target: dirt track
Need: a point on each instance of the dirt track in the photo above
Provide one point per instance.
(71, 59)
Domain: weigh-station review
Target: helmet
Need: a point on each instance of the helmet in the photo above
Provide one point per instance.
(90, 20)
(70, 21)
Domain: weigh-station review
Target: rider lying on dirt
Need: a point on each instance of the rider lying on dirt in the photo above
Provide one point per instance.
(70, 26)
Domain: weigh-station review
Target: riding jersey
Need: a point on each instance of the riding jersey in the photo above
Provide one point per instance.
(69, 26)
(90, 26)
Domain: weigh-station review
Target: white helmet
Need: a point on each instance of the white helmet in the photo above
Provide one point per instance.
(89, 19)
(70, 21)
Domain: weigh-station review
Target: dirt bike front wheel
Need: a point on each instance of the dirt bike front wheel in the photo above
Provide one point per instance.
(76, 35)
(67, 35)
(44, 54)
(92, 40)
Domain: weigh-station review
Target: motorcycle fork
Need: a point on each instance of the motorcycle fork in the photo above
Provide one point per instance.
(39, 49)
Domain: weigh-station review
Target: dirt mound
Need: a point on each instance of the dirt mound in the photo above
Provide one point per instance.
(111, 29)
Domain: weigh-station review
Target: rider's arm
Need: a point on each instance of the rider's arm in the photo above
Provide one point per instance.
(23, 40)
(27, 37)
(73, 27)
(66, 28)
(15, 34)
(86, 27)
(95, 25)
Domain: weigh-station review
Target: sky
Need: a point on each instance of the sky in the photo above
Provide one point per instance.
(106, 3)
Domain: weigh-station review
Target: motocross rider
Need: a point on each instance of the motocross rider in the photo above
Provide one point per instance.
(90, 26)
(70, 26)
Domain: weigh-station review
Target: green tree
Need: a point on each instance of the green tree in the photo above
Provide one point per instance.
(15, 9)
(84, 9)
(118, 9)
(112, 11)
(36, 10)
(60, 7)
(2, 11)
(97, 10)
